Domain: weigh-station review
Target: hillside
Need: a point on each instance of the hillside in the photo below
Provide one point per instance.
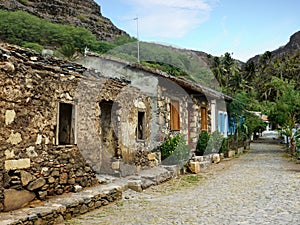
(292, 47)
(78, 13)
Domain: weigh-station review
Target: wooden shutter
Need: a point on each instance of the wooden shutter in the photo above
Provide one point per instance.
(219, 121)
(203, 118)
(175, 115)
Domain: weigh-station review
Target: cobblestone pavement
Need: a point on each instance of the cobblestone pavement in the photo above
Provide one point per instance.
(260, 187)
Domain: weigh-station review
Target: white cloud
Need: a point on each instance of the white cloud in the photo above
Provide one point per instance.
(170, 18)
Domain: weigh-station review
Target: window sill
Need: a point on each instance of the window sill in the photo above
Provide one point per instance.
(66, 146)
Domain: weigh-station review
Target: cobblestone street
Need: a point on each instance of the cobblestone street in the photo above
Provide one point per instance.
(260, 187)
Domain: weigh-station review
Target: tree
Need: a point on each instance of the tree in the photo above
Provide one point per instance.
(287, 103)
(227, 73)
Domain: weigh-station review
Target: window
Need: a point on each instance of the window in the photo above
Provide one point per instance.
(203, 118)
(222, 122)
(66, 129)
(141, 126)
(175, 115)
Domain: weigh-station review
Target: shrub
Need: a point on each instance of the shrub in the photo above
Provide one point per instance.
(202, 143)
(68, 51)
(174, 150)
(225, 146)
(210, 143)
(34, 46)
(21, 27)
(215, 142)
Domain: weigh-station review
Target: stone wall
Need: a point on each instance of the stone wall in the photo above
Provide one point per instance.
(107, 123)
(160, 90)
(189, 108)
(1, 181)
(37, 93)
(32, 165)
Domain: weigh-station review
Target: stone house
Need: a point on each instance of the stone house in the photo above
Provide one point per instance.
(61, 123)
(176, 105)
(38, 136)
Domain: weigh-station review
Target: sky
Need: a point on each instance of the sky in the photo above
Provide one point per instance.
(244, 28)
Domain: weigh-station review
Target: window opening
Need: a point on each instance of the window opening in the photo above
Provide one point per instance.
(141, 126)
(66, 129)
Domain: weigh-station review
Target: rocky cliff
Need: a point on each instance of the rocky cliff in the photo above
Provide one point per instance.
(80, 13)
(292, 47)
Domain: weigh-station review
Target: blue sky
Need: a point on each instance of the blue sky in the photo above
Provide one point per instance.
(242, 27)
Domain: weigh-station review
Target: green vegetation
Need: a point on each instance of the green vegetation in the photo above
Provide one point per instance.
(203, 139)
(209, 143)
(215, 142)
(29, 31)
(170, 69)
(297, 143)
(173, 61)
(270, 86)
(174, 150)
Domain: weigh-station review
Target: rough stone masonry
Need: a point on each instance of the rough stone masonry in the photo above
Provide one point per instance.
(32, 165)
(57, 129)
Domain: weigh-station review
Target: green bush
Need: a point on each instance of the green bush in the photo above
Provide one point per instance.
(34, 46)
(21, 27)
(297, 142)
(210, 143)
(225, 146)
(203, 139)
(215, 142)
(174, 150)
(68, 51)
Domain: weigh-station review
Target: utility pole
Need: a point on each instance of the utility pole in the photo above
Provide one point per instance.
(137, 37)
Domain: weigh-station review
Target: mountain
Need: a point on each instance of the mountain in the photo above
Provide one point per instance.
(79, 13)
(292, 47)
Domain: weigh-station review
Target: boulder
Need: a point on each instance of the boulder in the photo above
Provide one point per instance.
(14, 199)
(194, 167)
(36, 184)
(26, 178)
(216, 158)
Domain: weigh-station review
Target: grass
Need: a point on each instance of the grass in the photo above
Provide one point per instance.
(286, 155)
(180, 183)
(192, 179)
(120, 204)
